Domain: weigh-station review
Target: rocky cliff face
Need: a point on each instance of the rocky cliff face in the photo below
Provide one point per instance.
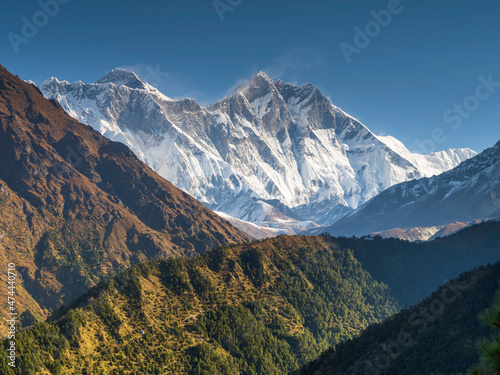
(75, 206)
(271, 153)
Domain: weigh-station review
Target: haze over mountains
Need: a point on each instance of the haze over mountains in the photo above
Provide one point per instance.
(271, 153)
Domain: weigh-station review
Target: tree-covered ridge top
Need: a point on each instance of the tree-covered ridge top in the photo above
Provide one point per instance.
(265, 307)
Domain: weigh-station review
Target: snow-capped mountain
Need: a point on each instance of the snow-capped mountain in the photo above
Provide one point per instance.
(469, 192)
(271, 153)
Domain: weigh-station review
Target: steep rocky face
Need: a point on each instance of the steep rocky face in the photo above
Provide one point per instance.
(466, 193)
(271, 153)
(75, 207)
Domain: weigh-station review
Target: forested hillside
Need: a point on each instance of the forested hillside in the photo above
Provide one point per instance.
(437, 336)
(414, 270)
(261, 308)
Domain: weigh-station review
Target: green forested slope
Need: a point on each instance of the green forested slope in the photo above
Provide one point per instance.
(414, 270)
(260, 308)
(269, 307)
(437, 336)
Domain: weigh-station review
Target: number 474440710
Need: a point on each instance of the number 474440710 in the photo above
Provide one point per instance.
(11, 276)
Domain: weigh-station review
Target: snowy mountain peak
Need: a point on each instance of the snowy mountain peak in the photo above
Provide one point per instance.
(258, 101)
(30, 82)
(468, 192)
(53, 81)
(271, 153)
(263, 76)
(258, 85)
(122, 77)
(263, 89)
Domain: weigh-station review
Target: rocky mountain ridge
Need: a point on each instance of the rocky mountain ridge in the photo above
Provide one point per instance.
(271, 153)
(76, 207)
(466, 193)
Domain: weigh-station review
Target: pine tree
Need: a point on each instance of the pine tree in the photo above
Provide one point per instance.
(490, 357)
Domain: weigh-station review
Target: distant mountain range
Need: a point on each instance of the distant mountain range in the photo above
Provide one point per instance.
(76, 207)
(271, 153)
(469, 192)
(428, 233)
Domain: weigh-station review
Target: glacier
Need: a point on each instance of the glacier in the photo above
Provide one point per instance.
(273, 154)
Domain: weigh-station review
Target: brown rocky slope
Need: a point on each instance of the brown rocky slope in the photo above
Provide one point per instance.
(76, 207)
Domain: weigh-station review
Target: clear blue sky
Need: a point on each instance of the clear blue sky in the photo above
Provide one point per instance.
(413, 71)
